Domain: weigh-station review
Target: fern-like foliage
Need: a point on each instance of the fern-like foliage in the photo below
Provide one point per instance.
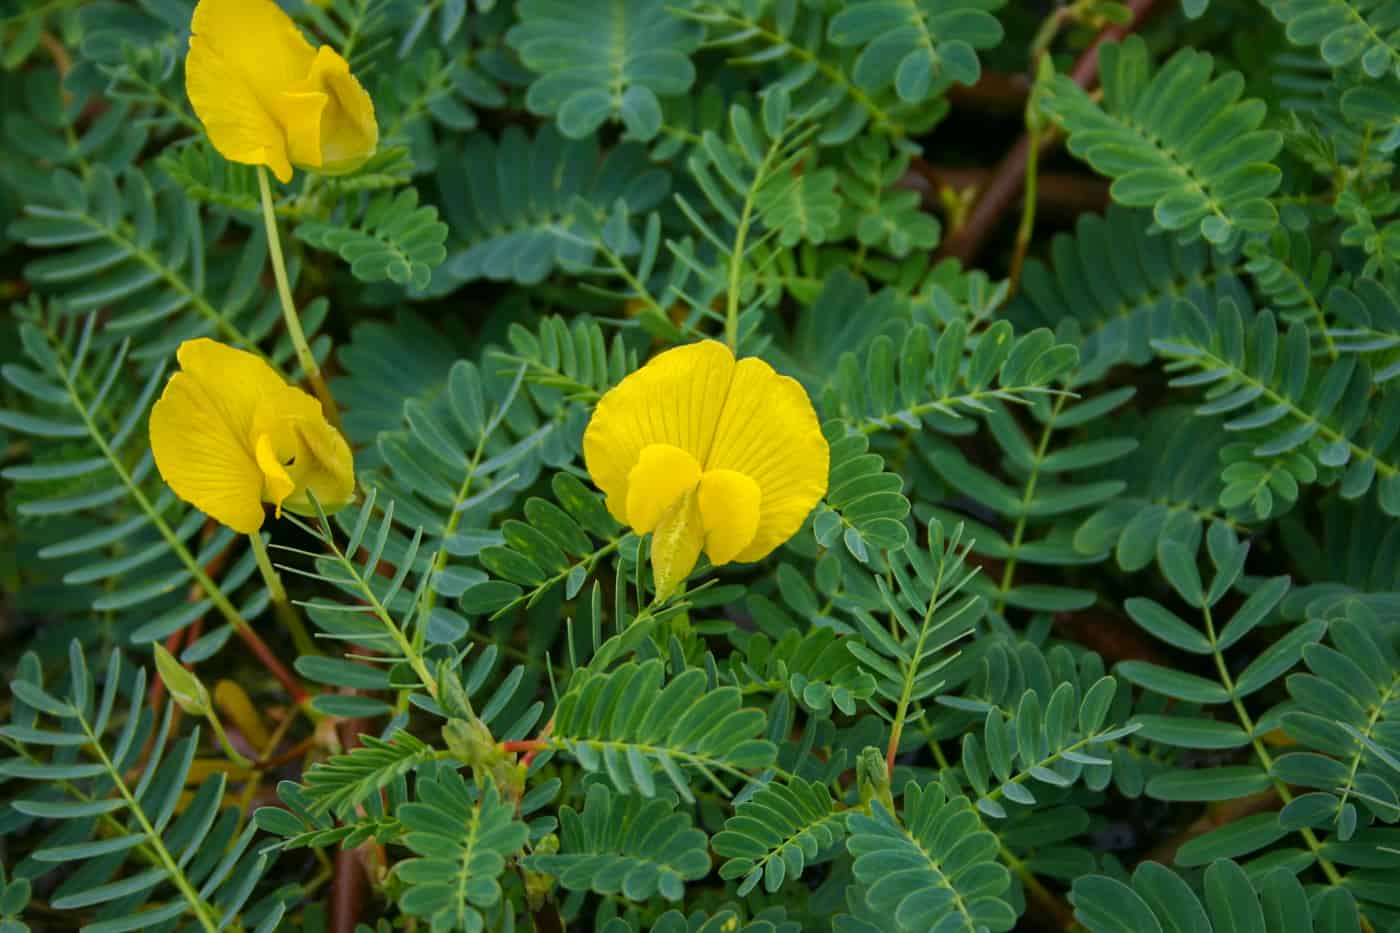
(1052, 746)
(882, 215)
(1347, 32)
(626, 844)
(931, 613)
(1175, 141)
(626, 723)
(141, 254)
(932, 867)
(792, 38)
(1043, 493)
(111, 780)
(771, 920)
(599, 61)
(1295, 280)
(519, 207)
(462, 838)
(394, 239)
(1299, 422)
(462, 448)
(1237, 725)
(1118, 283)
(756, 190)
(817, 668)
(865, 507)
(1171, 492)
(91, 460)
(918, 46)
(1155, 898)
(339, 784)
(1367, 316)
(777, 832)
(939, 378)
(1353, 763)
(45, 126)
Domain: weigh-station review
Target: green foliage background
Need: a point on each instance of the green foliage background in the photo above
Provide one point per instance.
(1098, 625)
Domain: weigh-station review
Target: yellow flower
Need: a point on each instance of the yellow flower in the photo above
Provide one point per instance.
(266, 97)
(228, 434)
(707, 453)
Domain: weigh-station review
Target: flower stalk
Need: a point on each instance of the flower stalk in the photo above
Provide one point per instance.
(286, 613)
(305, 358)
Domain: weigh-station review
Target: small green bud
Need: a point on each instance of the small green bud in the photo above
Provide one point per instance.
(873, 778)
(185, 688)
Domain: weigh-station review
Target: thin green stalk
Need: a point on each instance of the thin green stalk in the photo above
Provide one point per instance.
(289, 311)
(911, 673)
(1028, 203)
(1018, 535)
(736, 258)
(1262, 753)
(175, 873)
(405, 644)
(231, 753)
(286, 612)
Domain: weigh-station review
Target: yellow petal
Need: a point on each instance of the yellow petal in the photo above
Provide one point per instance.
(203, 459)
(299, 115)
(323, 466)
(729, 507)
(661, 475)
(675, 399)
(239, 126)
(277, 482)
(347, 130)
(243, 55)
(256, 38)
(230, 434)
(769, 432)
(675, 547)
(236, 382)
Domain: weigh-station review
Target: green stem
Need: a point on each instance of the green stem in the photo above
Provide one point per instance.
(405, 645)
(736, 258)
(289, 311)
(1262, 753)
(1018, 535)
(176, 875)
(286, 613)
(231, 753)
(911, 674)
(1028, 197)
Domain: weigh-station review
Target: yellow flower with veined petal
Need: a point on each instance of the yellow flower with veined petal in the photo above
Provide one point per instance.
(707, 454)
(267, 97)
(229, 434)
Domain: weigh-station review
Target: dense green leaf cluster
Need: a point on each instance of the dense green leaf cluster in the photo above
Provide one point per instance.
(1096, 625)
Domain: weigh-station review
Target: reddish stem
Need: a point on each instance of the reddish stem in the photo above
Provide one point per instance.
(274, 666)
(1010, 175)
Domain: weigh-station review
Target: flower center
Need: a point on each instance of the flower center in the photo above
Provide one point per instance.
(689, 508)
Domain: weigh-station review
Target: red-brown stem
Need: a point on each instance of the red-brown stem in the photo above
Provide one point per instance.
(1063, 193)
(274, 667)
(544, 733)
(1010, 175)
(523, 745)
